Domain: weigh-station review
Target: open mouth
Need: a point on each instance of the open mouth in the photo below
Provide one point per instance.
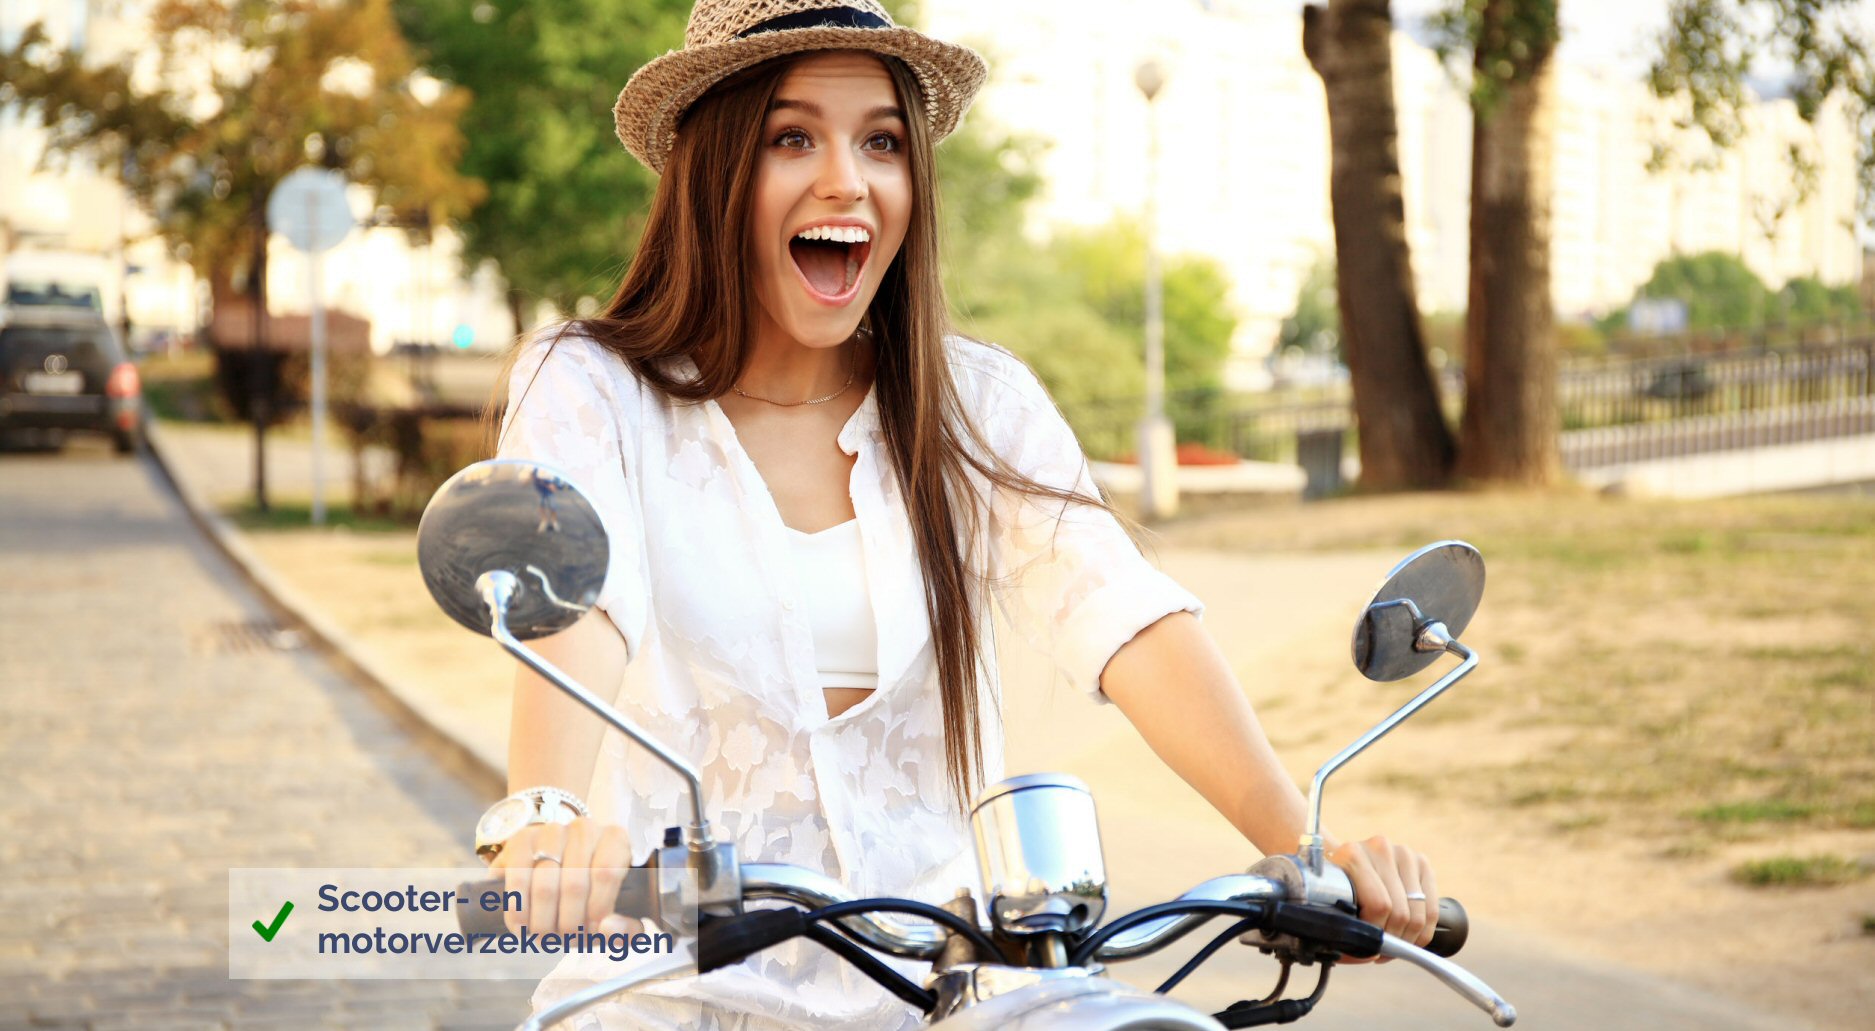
(830, 260)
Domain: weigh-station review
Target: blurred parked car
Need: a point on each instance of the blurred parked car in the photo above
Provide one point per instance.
(63, 369)
(54, 279)
(1680, 381)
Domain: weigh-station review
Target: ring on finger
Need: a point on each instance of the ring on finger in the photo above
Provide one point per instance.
(544, 857)
(1411, 896)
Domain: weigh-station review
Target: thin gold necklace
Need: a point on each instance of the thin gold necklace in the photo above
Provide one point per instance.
(852, 374)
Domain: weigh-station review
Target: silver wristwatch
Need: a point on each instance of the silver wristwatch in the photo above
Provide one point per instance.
(526, 807)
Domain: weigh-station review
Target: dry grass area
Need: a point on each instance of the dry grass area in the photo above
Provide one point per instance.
(1705, 671)
(1667, 758)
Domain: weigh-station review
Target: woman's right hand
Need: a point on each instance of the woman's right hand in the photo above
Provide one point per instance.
(579, 890)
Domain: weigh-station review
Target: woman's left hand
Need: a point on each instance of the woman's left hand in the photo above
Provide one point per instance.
(1384, 875)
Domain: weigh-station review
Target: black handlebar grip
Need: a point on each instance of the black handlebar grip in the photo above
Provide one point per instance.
(474, 917)
(732, 939)
(637, 896)
(1454, 927)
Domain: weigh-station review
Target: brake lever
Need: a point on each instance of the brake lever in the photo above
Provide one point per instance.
(1457, 978)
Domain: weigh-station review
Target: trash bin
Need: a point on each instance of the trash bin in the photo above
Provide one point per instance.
(1318, 452)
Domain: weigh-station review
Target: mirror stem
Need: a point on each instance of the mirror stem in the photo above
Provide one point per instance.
(498, 589)
(1433, 636)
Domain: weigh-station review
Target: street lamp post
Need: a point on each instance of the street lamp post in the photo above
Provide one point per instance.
(1158, 452)
(123, 248)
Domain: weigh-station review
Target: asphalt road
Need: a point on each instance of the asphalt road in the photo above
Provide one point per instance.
(155, 737)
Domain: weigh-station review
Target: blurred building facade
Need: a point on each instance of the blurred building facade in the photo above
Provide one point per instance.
(409, 290)
(1613, 218)
(1245, 156)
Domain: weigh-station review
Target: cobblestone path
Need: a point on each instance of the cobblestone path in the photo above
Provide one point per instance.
(154, 736)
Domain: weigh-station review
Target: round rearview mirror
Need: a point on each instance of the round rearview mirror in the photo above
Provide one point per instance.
(525, 519)
(1444, 583)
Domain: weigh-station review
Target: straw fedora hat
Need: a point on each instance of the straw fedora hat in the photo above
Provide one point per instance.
(726, 36)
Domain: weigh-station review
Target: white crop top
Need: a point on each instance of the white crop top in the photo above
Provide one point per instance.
(830, 566)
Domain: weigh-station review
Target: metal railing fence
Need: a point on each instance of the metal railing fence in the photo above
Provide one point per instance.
(1610, 410)
(1649, 409)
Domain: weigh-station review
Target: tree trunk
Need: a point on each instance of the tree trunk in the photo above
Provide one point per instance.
(1509, 431)
(257, 278)
(263, 381)
(1404, 440)
(516, 302)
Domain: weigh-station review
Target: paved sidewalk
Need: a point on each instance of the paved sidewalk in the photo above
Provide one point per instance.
(155, 740)
(218, 462)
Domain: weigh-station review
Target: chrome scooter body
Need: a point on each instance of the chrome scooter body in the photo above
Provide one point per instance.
(1044, 878)
(1074, 1000)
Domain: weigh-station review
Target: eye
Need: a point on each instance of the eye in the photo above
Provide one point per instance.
(782, 139)
(884, 141)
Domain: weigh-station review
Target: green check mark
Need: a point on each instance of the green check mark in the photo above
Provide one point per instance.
(267, 931)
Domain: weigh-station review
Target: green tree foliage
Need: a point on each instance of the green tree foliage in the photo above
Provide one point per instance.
(1711, 46)
(565, 202)
(1500, 37)
(1109, 264)
(1807, 299)
(1315, 325)
(245, 92)
(1074, 307)
(1009, 290)
(1720, 292)
(987, 180)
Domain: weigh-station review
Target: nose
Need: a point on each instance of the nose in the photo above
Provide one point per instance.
(841, 178)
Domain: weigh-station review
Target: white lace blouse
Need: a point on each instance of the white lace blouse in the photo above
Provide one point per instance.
(722, 668)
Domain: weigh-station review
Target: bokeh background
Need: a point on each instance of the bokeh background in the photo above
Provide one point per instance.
(1588, 283)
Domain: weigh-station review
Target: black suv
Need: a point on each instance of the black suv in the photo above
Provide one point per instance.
(63, 369)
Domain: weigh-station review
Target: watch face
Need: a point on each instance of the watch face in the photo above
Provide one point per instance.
(503, 819)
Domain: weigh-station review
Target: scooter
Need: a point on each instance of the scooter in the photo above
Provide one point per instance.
(497, 566)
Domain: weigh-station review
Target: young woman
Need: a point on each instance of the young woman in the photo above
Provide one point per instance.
(813, 493)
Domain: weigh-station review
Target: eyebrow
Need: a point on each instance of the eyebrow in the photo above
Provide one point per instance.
(813, 110)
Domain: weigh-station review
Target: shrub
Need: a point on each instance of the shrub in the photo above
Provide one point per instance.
(1720, 291)
(427, 446)
(287, 379)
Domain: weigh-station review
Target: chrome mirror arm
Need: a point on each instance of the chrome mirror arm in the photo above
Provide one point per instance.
(1432, 636)
(1455, 977)
(498, 589)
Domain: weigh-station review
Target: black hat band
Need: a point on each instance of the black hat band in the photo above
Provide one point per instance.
(828, 18)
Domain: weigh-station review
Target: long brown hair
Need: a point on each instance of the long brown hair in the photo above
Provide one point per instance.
(688, 293)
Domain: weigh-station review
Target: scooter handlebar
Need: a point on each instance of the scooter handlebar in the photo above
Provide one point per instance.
(1454, 928)
(637, 896)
